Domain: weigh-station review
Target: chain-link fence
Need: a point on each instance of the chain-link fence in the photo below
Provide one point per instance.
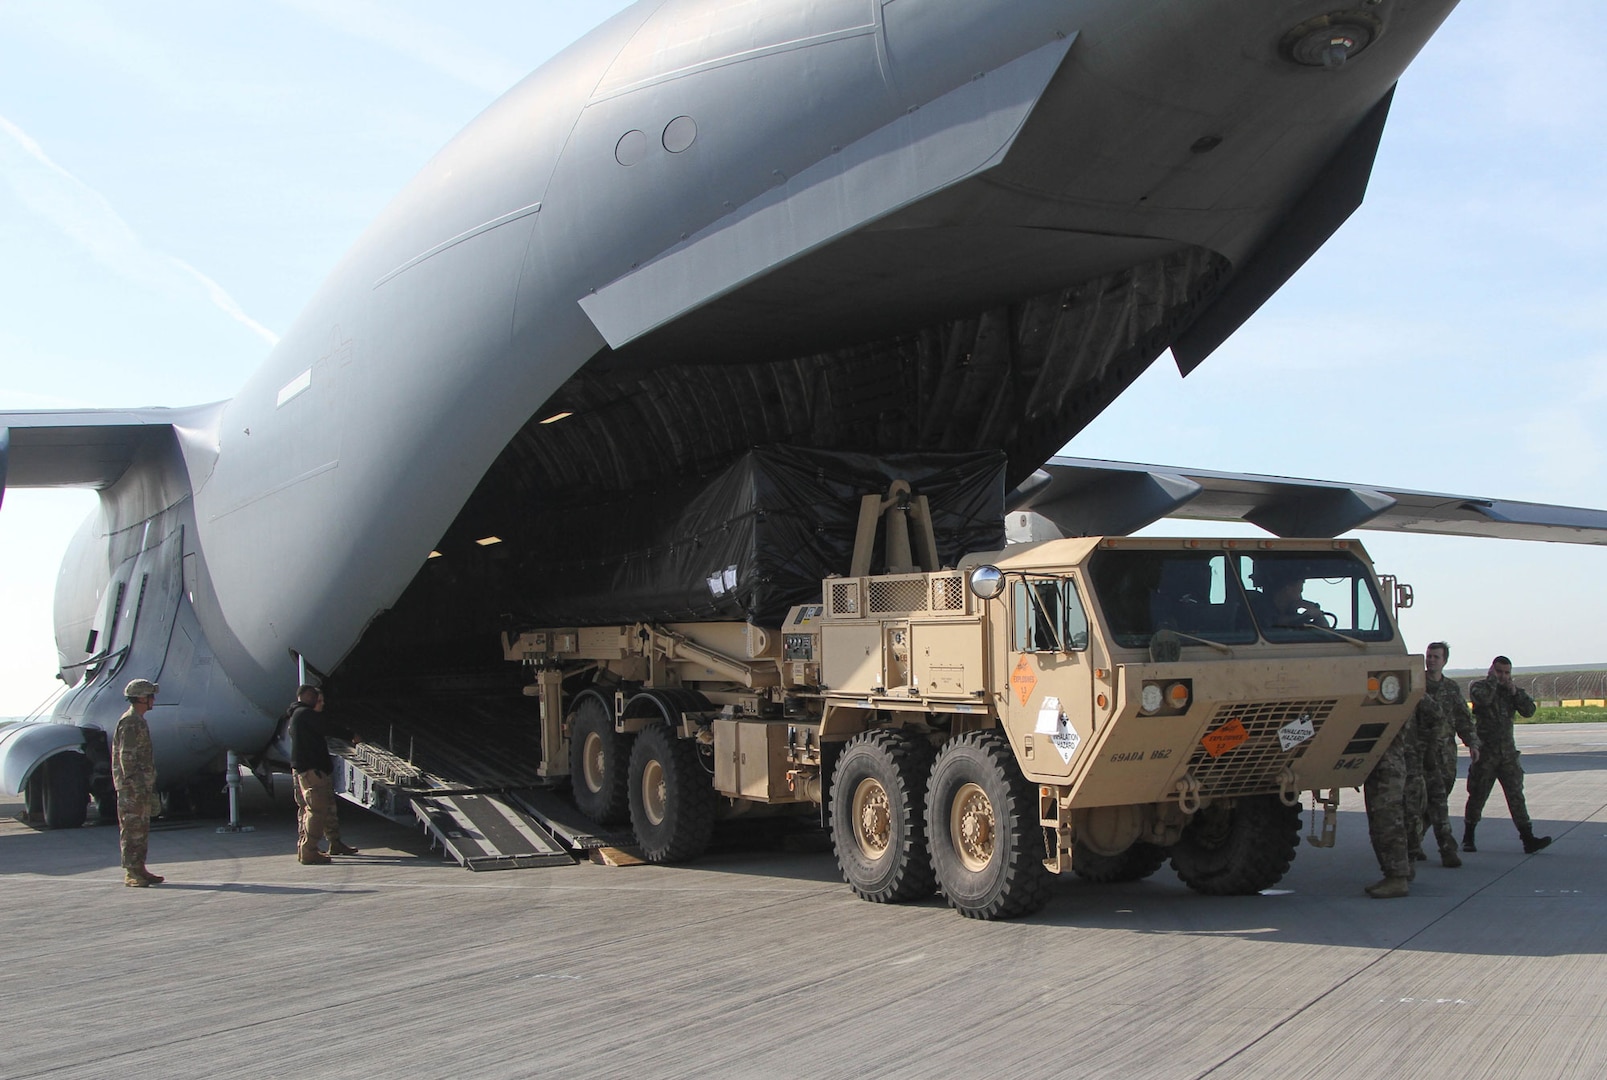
(1564, 685)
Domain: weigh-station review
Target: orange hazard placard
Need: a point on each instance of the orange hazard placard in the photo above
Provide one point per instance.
(1225, 738)
(1023, 679)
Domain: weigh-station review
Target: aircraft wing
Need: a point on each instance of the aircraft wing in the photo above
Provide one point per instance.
(1087, 496)
(89, 448)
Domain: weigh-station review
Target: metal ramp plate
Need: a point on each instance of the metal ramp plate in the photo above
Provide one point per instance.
(483, 832)
(559, 816)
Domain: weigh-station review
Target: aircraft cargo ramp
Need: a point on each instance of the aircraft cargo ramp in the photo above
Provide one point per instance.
(465, 769)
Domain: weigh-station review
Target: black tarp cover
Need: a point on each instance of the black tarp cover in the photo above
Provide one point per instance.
(750, 541)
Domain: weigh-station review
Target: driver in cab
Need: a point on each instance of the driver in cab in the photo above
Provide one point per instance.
(1280, 602)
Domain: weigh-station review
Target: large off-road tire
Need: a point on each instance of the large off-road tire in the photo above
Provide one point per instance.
(66, 791)
(982, 827)
(599, 763)
(671, 797)
(878, 816)
(1135, 864)
(1239, 850)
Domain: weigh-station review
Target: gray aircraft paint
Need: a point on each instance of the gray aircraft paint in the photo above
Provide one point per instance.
(644, 190)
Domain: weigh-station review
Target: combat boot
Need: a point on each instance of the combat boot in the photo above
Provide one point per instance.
(338, 848)
(1533, 843)
(1390, 888)
(154, 879)
(312, 858)
(1467, 836)
(134, 881)
(1449, 858)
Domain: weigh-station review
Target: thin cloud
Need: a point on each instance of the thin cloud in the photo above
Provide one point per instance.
(424, 41)
(84, 215)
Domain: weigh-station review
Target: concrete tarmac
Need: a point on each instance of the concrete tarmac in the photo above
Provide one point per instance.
(758, 962)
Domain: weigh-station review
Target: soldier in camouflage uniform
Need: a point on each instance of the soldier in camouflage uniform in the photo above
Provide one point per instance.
(1442, 717)
(134, 775)
(1394, 791)
(1495, 701)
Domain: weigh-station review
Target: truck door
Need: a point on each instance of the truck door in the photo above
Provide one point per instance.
(1049, 706)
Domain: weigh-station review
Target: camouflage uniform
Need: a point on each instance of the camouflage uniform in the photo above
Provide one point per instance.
(134, 776)
(1442, 718)
(1394, 791)
(1493, 709)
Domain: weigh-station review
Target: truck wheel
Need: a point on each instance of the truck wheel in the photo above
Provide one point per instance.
(1135, 864)
(982, 825)
(878, 816)
(1238, 850)
(599, 758)
(672, 800)
(66, 791)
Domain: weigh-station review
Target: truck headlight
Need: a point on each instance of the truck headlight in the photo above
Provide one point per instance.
(1178, 696)
(1159, 697)
(1386, 687)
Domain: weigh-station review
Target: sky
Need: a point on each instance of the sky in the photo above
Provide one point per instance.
(177, 178)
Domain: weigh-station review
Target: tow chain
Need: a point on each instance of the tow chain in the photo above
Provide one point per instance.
(1330, 819)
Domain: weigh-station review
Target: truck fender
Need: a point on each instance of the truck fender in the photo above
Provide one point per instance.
(24, 747)
(666, 706)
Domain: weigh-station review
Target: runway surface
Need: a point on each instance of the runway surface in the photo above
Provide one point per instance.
(757, 961)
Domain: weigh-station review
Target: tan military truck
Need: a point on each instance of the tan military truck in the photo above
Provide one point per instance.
(1094, 705)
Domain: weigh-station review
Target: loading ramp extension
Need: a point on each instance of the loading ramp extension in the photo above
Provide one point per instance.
(476, 793)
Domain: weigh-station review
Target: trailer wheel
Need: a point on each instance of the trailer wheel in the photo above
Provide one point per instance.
(1238, 850)
(982, 825)
(599, 759)
(878, 816)
(1135, 864)
(671, 798)
(66, 791)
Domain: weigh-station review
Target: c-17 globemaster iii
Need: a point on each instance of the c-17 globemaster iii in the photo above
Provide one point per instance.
(907, 226)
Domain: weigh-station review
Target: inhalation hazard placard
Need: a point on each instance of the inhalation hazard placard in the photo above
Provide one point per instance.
(1052, 722)
(1296, 732)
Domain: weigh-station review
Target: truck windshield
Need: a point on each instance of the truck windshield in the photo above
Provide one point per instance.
(1297, 595)
(1192, 592)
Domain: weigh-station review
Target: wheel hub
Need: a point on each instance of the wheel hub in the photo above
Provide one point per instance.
(655, 793)
(591, 762)
(873, 818)
(972, 824)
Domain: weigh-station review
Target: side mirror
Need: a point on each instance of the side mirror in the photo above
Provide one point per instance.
(986, 582)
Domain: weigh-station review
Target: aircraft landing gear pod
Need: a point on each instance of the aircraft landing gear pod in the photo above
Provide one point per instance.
(47, 765)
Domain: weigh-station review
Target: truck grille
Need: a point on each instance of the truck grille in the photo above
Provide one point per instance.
(1255, 765)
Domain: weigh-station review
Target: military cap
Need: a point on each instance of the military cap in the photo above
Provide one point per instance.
(140, 688)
